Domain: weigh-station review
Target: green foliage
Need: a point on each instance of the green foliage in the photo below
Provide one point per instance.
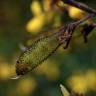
(76, 64)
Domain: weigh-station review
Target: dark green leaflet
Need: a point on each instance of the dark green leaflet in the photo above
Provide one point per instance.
(39, 51)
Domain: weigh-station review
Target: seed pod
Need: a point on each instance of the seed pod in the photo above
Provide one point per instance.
(36, 54)
(39, 51)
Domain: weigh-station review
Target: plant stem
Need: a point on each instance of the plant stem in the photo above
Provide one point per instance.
(83, 19)
(80, 6)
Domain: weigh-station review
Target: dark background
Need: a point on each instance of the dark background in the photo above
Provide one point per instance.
(74, 67)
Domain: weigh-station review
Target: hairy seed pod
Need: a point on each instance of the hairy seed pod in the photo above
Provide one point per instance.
(41, 49)
(38, 52)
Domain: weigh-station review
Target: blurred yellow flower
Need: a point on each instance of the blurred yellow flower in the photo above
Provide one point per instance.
(78, 84)
(50, 69)
(26, 86)
(76, 13)
(36, 8)
(36, 23)
(41, 18)
(91, 79)
(83, 83)
(5, 72)
(46, 5)
(62, 4)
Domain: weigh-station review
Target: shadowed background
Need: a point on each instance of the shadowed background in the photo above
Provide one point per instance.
(20, 22)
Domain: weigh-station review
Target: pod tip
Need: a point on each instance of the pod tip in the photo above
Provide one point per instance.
(15, 77)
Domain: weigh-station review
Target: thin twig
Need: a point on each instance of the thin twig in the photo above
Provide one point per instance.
(83, 19)
(80, 6)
